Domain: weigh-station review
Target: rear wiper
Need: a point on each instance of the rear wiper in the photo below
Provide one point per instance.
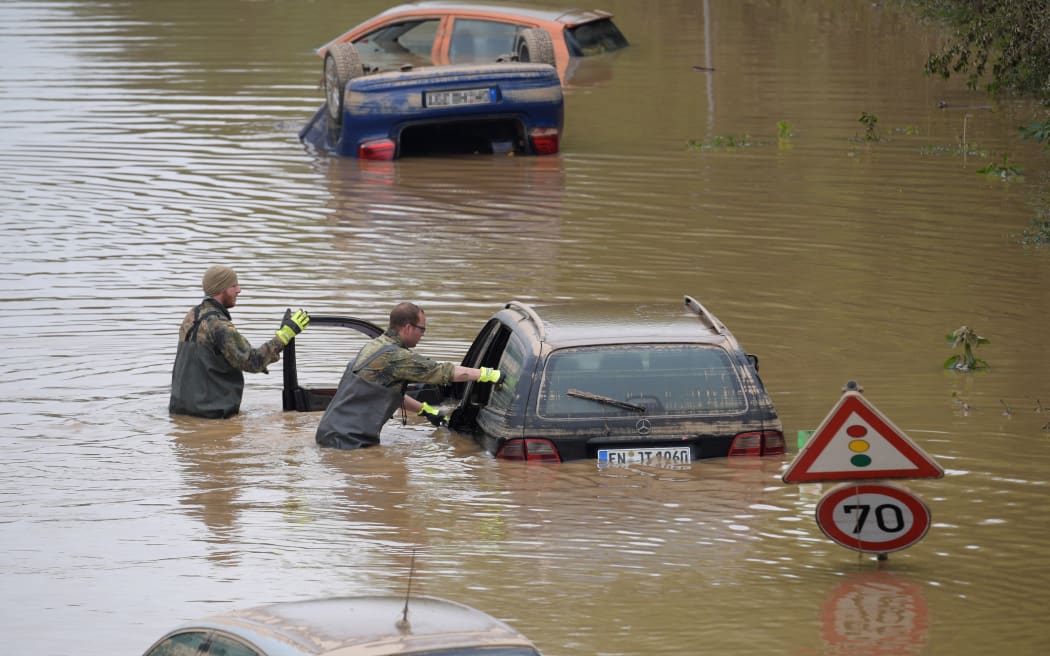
(579, 394)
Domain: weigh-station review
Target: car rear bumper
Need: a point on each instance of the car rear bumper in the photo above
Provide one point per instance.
(384, 105)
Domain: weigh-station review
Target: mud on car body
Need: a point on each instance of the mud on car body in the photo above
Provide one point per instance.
(643, 384)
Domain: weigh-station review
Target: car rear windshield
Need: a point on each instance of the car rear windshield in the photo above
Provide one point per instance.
(650, 380)
(595, 38)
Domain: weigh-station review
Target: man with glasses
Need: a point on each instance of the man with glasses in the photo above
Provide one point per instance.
(373, 385)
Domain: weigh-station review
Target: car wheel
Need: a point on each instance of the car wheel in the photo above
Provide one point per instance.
(341, 64)
(535, 45)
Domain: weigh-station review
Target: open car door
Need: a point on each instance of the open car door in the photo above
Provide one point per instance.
(310, 398)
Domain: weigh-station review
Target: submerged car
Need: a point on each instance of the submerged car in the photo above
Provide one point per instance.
(641, 384)
(348, 626)
(437, 33)
(453, 78)
(657, 384)
(458, 109)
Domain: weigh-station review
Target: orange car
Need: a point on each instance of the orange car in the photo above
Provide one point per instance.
(433, 33)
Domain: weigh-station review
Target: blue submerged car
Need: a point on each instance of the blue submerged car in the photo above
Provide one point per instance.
(509, 107)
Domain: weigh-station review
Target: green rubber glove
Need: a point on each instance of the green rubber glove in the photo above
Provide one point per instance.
(432, 415)
(489, 375)
(293, 325)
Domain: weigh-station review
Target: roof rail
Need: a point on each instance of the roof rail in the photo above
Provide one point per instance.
(704, 314)
(530, 314)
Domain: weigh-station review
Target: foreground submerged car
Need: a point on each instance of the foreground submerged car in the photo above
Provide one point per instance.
(656, 384)
(348, 626)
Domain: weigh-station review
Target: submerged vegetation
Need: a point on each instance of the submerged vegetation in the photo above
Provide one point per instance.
(730, 141)
(1006, 171)
(718, 142)
(1038, 231)
(870, 123)
(969, 340)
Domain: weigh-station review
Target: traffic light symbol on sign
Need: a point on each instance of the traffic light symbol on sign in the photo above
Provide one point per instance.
(856, 442)
(858, 445)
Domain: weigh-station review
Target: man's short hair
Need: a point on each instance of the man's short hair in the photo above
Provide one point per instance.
(404, 314)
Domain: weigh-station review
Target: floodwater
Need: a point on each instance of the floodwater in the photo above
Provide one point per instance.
(143, 141)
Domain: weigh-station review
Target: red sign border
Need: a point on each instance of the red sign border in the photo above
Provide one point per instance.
(826, 521)
(850, 403)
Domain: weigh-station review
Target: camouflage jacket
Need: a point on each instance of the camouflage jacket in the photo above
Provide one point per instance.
(220, 335)
(401, 365)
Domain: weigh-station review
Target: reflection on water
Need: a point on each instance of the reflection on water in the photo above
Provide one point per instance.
(145, 141)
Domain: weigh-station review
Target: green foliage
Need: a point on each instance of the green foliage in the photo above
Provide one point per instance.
(967, 150)
(1038, 231)
(969, 340)
(1009, 36)
(723, 142)
(729, 141)
(1038, 131)
(1005, 170)
(869, 121)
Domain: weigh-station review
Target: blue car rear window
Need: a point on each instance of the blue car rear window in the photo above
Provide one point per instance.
(665, 380)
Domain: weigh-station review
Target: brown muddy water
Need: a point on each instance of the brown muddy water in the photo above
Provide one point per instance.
(143, 141)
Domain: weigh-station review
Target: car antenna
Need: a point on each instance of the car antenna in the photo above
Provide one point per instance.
(403, 624)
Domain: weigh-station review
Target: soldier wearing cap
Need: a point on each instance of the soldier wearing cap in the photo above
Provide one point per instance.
(207, 379)
(373, 385)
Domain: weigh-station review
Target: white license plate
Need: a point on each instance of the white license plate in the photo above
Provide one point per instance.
(658, 456)
(456, 97)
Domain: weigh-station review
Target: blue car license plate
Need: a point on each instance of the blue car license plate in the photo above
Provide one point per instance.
(659, 456)
(458, 97)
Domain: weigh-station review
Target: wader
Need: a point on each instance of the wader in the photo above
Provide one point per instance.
(359, 409)
(203, 383)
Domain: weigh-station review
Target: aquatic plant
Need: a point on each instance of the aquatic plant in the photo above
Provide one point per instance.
(1038, 231)
(870, 121)
(969, 340)
(723, 141)
(1038, 131)
(1004, 170)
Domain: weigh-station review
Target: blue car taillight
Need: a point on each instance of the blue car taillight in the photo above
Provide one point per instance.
(382, 149)
(758, 443)
(530, 449)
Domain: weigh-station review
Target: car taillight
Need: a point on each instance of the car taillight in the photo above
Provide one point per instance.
(529, 449)
(758, 443)
(544, 140)
(378, 149)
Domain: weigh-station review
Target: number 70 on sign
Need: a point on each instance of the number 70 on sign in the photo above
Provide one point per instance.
(873, 518)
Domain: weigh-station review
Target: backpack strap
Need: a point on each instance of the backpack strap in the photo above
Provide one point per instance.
(191, 334)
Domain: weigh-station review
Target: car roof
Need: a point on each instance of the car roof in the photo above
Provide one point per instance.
(567, 16)
(364, 626)
(563, 325)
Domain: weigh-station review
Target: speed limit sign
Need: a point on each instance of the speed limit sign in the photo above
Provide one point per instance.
(873, 518)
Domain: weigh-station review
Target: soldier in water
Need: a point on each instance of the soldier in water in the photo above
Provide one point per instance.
(207, 379)
(373, 385)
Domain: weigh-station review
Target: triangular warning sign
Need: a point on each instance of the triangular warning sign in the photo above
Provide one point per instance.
(856, 442)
